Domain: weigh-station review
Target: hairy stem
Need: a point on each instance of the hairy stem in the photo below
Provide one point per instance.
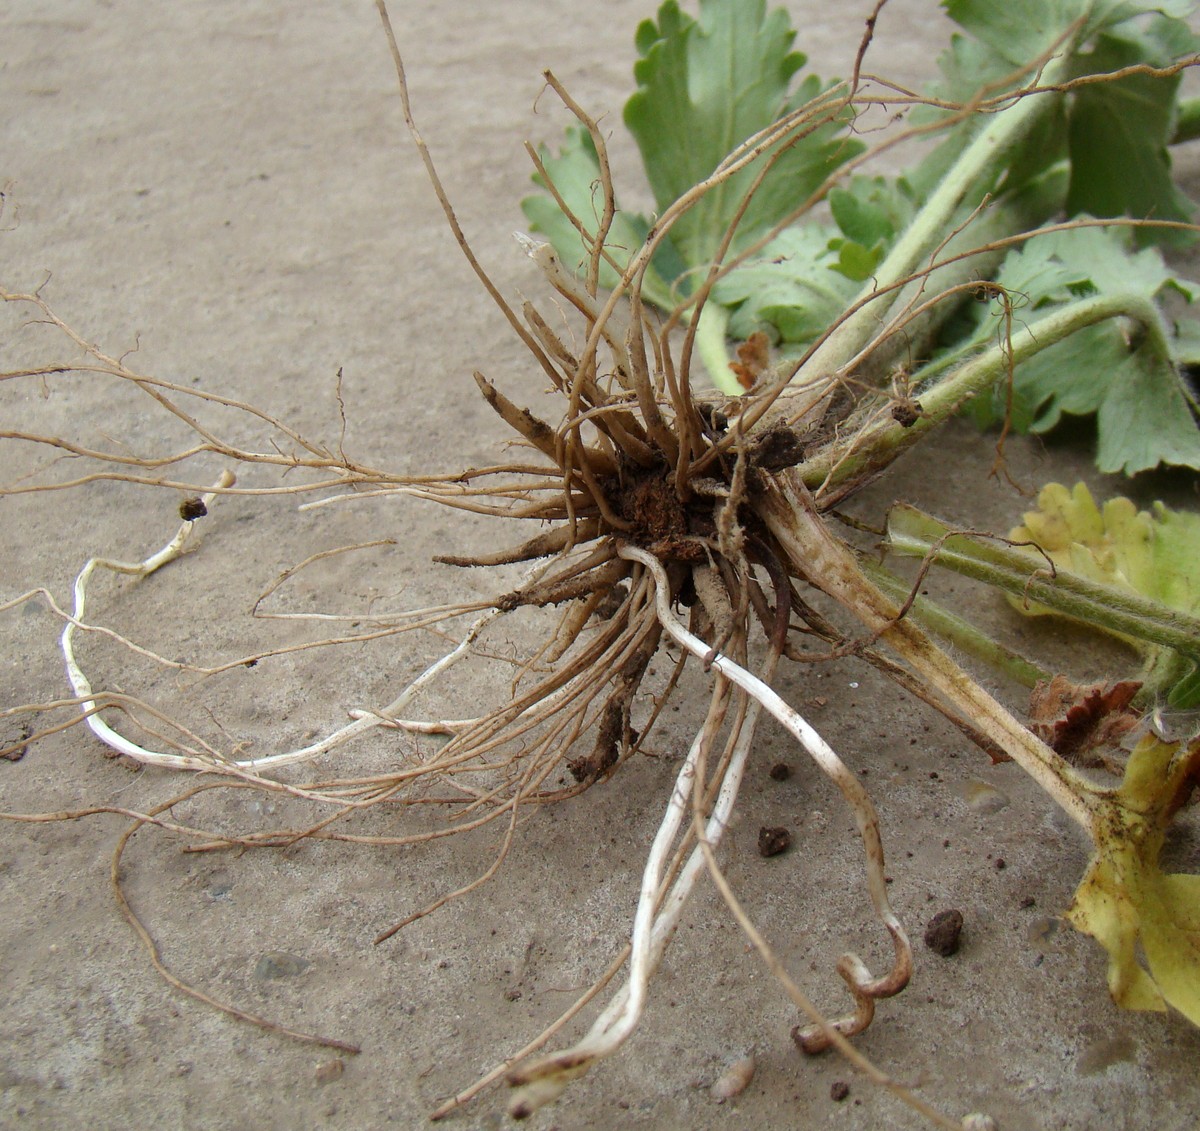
(874, 448)
(964, 185)
(1031, 577)
(828, 564)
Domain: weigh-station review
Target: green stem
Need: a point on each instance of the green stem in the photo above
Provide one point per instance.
(874, 448)
(1123, 613)
(961, 633)
(962, 188)
(1021, 211)
(712, 349)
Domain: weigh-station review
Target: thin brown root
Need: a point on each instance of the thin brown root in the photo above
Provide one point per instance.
(520, 420)
(467, 1094)
(802, 1001)
(540, 546)
(466, 889)
(183, 987)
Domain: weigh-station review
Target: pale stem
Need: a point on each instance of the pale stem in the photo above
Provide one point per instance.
(829, 565)
(926, 234)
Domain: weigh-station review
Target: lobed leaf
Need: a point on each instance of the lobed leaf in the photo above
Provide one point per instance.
(1153, 554)
(705, 86)
(1119, 131)
(1129, 378)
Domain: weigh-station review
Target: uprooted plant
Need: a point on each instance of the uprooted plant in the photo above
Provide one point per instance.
(653, 496)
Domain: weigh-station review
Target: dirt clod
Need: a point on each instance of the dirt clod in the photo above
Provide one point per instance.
(773, 840)
(13, 744)
(944, 932)
(192, 509)
(906, 413)
(839, 1090)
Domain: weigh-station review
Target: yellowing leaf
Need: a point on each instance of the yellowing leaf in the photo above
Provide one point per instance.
(1125, 899)
(1114, 546)
(1154, 554)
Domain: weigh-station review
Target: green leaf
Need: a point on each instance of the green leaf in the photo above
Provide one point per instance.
(988, 61)
(793, 288)
(1128, 377)
(1145, 419)
(856, 262)
(1022, 31)
(1187, 343)
(1018, 30)
(872, 210)
(1117, 544)
(1114, 133)
(705, 86)
(802, 282)
(1119, 131)
(575, 173)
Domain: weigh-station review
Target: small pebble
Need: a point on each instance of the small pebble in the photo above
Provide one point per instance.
(983, 797)
(773, 841)
(734, 1080)
(329, 1071)
(944, 932)
(279, 964)
(12, 739)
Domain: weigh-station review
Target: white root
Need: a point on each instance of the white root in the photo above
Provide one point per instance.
(362, 720)
(865, 988)
(79, 681)
(543, 1080)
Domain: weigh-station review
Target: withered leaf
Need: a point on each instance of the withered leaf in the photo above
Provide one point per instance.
(754, 355)
(1077, 720)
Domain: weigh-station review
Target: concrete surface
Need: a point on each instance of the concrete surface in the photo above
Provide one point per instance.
(227, 189)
